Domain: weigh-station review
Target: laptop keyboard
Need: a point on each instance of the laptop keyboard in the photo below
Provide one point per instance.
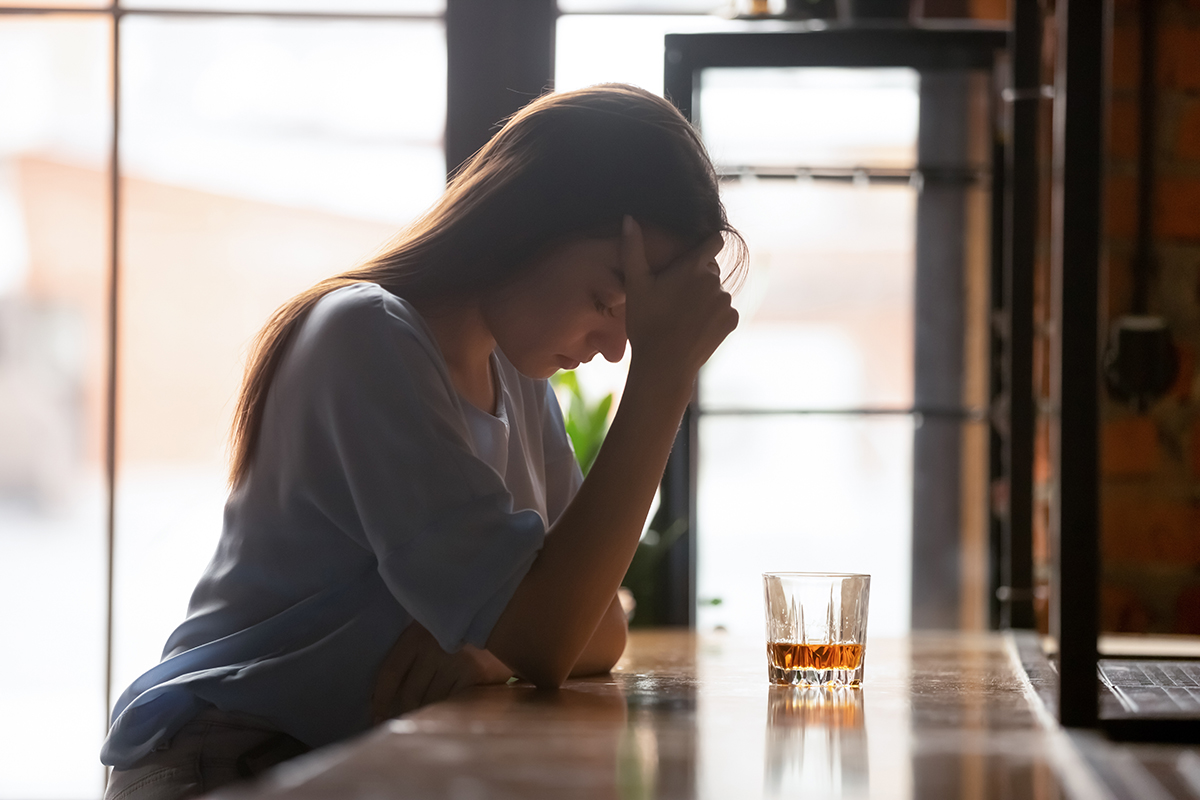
(1151, 688)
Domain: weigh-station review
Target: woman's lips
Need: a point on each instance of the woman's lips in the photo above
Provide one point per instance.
(567, 363)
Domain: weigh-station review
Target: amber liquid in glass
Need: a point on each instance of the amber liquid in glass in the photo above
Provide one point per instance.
(791, 655)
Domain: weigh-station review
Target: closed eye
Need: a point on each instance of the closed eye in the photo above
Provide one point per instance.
(605, 309)
(610, 311)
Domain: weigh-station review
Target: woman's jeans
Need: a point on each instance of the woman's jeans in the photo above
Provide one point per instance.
(213, 749)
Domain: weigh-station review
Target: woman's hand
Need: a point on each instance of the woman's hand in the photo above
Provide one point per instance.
(677, 316)
(417, 671)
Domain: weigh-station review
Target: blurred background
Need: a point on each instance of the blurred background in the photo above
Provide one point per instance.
(265, 144)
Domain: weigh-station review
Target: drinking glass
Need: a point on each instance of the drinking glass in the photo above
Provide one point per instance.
(816, 627)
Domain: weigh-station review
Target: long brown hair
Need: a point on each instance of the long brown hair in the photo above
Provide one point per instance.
(566, 165)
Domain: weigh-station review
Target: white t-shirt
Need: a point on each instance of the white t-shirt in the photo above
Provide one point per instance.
(377, 495)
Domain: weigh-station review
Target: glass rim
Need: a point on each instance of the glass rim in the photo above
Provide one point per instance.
(816, 575)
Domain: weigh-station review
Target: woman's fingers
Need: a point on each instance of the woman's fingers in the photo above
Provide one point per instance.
(703, 255)
(392, 671)
(416, 672)
(416, 683)
(678, 315)
(708, 249)
(442, 686)
(633, 255)
(485, 667)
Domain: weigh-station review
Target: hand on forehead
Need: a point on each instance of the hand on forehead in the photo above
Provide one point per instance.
(662, 248)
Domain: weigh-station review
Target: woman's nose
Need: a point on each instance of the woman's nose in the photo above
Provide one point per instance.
(614, 352)
(610, 340)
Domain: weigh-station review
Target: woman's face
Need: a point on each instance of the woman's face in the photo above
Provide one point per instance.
(569, 305)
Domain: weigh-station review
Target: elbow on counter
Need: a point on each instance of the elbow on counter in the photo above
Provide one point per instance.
(544, 676)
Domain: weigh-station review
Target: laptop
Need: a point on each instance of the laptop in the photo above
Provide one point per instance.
(1149, 688)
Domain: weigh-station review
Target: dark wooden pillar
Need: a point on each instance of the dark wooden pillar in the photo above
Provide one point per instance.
(500, 55)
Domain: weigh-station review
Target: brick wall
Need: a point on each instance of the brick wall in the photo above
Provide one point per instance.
(1151, 462)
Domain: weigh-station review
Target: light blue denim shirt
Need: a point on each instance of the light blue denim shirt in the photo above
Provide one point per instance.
(376, 496)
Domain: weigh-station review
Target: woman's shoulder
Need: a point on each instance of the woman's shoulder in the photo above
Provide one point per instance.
(360, 305)
(364, 315)
(363, 327)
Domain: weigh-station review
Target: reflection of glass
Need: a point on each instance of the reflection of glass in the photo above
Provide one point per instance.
(656, 755)
(816, 742)
(816, 627)
(637, 761)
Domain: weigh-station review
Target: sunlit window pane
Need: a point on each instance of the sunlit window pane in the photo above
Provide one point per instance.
(344, 117)
(53, 4)
(643, 6)
(810, 117)
(805, 494)
(594, 49)
(826, 325)
(54, 138)
(826, 311)
(416, 7)
(261, 155)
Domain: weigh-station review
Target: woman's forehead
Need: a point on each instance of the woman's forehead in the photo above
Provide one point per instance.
(604, 255)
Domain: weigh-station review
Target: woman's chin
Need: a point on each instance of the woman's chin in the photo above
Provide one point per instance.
(537, 370)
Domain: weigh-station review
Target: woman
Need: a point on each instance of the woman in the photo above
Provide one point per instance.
(406, 518)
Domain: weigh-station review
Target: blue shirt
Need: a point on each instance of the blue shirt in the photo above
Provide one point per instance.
(377, 495)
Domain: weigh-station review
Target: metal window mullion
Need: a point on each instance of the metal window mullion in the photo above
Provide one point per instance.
(1021, 222)
(677, 498)
(110, 443)
(1081, 77)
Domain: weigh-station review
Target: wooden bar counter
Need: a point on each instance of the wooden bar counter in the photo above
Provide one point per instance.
(687, 715)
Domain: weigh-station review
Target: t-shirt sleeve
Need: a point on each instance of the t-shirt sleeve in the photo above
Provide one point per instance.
(382, 451)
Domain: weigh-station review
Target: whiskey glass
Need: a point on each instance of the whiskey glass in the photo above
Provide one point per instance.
(816, 627)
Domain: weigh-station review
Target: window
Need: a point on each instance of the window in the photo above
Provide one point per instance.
(54, 134)
(259, 156)
(798, 470)
(840, 428)
(258, 153)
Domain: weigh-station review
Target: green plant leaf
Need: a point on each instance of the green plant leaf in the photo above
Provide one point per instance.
(586, 423)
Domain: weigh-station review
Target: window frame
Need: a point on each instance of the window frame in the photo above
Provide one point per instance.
(927, 48)
(115, 13)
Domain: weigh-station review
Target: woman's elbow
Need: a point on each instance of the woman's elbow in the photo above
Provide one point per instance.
(615, 649)
(545, 675)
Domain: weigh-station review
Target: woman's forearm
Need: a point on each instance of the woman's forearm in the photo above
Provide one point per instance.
(674, 318)
(551, 617)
